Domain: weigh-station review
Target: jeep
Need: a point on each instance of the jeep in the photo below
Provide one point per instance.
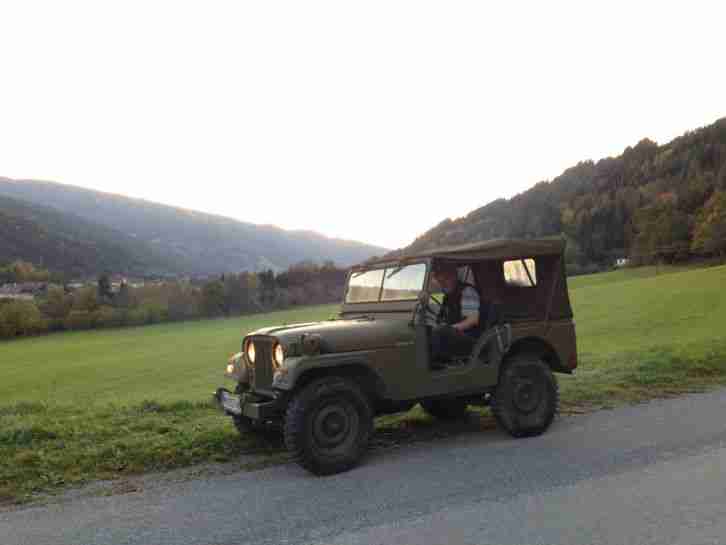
(323, 383)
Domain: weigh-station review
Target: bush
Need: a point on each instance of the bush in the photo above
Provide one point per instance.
(136, 316)
(79, 320)
(20, 318)
(109, 317)
(85, 299)
(56, 303)
(55, 324)
(155, 313)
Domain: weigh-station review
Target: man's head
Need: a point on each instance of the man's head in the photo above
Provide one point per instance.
(446, 275)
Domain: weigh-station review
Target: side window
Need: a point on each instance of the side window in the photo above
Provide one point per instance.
(521, 273)
(364, 287)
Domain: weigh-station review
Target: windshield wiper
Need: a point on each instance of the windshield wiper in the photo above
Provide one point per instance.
(395, 271)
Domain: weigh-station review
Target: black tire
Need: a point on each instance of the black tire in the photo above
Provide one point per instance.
(527, 397)
(244, 424)
(328, 425)
(446, 409)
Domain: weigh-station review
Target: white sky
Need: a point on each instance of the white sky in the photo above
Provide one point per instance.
(370, 120)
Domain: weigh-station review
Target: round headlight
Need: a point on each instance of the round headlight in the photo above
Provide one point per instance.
(250, 351)
(278, 355)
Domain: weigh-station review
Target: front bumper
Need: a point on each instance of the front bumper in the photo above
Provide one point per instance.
(247, 404)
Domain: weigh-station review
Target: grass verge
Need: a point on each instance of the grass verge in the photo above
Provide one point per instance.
(45, 448)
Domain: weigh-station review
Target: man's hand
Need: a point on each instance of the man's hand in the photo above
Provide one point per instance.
(467, 323)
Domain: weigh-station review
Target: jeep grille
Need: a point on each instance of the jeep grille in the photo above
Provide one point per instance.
(262, 371)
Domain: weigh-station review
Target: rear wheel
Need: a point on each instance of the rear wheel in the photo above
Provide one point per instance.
(328, 425)
(446, 409)
(527, 397)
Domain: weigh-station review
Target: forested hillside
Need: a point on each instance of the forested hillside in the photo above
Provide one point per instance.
(71, 245)
(650, 202)
(199, 243)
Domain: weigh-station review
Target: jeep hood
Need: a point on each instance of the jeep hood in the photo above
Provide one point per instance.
(345, 335)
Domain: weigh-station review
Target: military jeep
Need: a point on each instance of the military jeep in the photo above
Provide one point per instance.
(323, 383)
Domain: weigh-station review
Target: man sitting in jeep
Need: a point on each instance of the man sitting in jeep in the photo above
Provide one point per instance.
(460, 317)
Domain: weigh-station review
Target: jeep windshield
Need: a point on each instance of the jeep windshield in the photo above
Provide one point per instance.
(394, 283)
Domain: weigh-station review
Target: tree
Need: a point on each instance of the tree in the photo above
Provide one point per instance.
(57, 303)
(123, 297)
(22, 271)
(20, 318)
(182, 302)
(85, 299)
(213, 298)
(267, 287)
(236, 293)
(663, 232)
(709, 235)
(105, 293)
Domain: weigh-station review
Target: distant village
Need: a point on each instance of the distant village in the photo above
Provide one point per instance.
(28, 291)
(36, 301)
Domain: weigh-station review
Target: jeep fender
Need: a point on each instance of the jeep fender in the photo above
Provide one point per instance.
(356, 365)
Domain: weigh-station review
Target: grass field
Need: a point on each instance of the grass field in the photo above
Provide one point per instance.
(166, 362)
(81, 406)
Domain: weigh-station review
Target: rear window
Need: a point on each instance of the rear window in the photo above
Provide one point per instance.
(521, 273)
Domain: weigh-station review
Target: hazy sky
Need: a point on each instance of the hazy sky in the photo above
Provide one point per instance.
(369, 120)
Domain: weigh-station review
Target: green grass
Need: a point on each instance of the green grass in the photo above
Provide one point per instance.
(102, 404)
(623, 275)
(82, 406)
(167, 362)
(640, 338)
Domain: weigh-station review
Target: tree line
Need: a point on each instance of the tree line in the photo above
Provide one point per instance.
(100, 305)
(651, 203)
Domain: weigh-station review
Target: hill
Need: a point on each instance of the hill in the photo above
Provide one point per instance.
(189, 241)
(69, 244)
(647, 199)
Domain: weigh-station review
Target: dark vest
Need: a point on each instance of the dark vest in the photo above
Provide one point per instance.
(450, 312)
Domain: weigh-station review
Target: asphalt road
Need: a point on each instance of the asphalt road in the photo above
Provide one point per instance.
(653, 473)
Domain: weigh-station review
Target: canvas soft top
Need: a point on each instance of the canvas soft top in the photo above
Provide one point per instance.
(478, 251)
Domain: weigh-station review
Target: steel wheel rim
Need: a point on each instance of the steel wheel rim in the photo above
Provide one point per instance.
(528, 393)
(335, 426)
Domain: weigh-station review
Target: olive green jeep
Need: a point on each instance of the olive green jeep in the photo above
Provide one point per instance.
(323, 383)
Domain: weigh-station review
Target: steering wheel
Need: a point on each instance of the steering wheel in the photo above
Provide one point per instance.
(423, 310)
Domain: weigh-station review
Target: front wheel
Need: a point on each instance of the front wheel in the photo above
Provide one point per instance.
(328, 425)
(527, 397)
